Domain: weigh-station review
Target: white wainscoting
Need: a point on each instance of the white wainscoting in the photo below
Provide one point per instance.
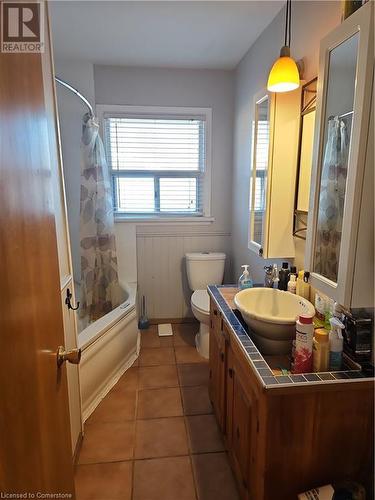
(161, 267)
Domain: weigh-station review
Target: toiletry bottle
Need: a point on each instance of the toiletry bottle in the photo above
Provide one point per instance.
(303, 358)
(320, 306)
(306, 285)
(321, 350)
(245, 280)
(328, 312)
(283, 276)
(293, 270)
(299, 287)
(292, 284)
(336, 344)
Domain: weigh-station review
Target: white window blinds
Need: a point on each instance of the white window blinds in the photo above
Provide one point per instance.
(157, 163)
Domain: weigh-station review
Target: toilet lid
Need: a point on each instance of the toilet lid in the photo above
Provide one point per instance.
(201, 300)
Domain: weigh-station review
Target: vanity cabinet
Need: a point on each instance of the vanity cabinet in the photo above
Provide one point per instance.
(340, 237)
(275, 132)
(283, 440)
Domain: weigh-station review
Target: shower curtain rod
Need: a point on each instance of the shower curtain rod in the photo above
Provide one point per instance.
(75, 91)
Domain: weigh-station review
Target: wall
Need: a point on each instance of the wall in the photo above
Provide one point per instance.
(80, 74)
(161, 247)
(311, 22)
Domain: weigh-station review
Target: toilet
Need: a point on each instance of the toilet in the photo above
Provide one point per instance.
(203, 268)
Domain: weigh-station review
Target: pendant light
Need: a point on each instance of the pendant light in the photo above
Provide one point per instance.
(284, 75)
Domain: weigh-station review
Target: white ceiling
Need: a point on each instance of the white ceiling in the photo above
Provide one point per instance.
(195, 34)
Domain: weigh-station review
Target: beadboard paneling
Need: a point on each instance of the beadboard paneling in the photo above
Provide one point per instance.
(162, 273)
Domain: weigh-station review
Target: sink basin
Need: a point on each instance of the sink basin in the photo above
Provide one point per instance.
(271, 315)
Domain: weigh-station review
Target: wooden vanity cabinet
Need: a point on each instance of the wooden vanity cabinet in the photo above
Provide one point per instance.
(282, 441)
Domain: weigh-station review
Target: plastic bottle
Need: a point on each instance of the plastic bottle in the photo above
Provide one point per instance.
(336, 344)
(320, 306)
(292, 284)
(320, 350)
(284, 276)
(299, 288)
(245, 280)
(328, 312)
(306, 285)
(303, 357)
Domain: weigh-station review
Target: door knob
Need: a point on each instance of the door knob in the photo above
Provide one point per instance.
(73, 356)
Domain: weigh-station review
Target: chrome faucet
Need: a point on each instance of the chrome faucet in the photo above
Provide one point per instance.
(271, 276)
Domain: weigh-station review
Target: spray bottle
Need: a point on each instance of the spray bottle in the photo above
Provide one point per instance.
(336, 344)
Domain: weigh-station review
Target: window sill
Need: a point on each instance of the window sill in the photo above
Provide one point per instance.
(165, 220)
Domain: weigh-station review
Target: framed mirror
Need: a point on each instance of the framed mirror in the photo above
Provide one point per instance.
(260, 163)
(305, 153)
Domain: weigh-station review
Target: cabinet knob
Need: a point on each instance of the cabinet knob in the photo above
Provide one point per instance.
(210, 373)
(238, 433)
(215, 312)
(222, 356)
(230, 371)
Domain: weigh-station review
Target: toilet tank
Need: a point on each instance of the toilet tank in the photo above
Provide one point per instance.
(204, 268)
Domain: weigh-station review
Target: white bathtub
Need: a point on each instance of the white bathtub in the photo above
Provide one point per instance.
(109, 347)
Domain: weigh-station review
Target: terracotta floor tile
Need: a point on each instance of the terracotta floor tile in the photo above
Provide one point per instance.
(107, 442)
(214, 478)
(160, 438)
(154, 403)
(157, 356)
(193, 374)
(111, 481)
(184, 334)
(158, 376)
(188, 354)
(117, 406)
(163, 478)
(196, 400)
(150, 338)
(204, 434)
(129, 380)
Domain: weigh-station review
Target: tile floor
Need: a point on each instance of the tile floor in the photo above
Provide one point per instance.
(154, 435)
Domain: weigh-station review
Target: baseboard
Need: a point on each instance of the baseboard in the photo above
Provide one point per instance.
(174, 321)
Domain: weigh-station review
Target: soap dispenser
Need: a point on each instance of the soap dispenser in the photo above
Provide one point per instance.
(245, 280)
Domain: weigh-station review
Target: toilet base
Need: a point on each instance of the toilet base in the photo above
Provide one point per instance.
(202, 340)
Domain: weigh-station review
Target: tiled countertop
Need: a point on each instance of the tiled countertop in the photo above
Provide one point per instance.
(223, 296)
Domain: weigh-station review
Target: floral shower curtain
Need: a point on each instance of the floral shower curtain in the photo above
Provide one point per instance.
(100, 290)
(332, 199)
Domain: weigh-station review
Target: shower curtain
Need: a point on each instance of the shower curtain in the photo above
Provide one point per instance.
(332, 199)
(100, 290)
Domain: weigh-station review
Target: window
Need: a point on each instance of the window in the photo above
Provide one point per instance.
(159, 162)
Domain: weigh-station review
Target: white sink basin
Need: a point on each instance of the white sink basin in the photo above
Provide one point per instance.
(271, 315)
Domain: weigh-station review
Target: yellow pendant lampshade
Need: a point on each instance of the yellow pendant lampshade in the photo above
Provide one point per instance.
(284, 75)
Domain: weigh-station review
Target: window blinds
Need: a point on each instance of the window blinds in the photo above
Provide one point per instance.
(157, 164)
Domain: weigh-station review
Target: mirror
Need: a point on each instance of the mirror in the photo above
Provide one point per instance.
(305, 151)
(342, 71)
(258, 187)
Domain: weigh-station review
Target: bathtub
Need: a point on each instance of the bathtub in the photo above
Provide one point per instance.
(109, 347)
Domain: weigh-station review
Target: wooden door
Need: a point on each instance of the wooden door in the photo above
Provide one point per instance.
(35, 452)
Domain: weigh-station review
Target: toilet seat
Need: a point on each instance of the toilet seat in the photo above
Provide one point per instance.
(201, 301)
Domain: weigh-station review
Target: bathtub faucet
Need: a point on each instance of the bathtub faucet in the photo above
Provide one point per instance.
(271, 276)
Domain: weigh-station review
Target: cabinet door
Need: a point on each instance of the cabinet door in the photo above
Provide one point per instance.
(217, 370)
(342, 120)
(241, 421)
